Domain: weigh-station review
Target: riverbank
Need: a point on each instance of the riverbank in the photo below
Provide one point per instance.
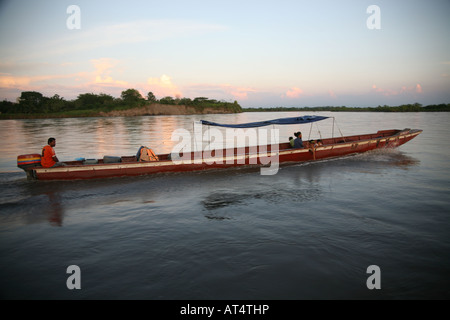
(34, 105)
(416, 107)
(157, 109)
(153, 109)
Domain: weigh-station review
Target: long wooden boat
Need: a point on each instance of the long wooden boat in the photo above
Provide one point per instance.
(260, 156)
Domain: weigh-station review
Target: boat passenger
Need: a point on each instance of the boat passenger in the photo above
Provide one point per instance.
(298, 143)
(318, 143)
(48, 156)
(291, 142)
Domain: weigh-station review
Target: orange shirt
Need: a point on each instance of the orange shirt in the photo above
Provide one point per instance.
(47, 157)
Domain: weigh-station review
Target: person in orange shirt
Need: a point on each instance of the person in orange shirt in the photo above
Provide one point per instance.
(49, 158)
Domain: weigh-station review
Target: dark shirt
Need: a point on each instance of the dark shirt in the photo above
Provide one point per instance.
(298, 143)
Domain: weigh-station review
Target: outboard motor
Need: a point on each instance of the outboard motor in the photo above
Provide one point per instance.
(29, 160)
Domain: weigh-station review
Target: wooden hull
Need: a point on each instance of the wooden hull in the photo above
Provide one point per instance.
(220, 159)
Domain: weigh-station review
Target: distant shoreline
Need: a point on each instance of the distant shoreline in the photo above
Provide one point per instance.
(416, 107)
(34, 105)
(155, 109)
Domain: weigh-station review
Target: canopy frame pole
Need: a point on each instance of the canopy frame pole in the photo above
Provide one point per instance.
(332, 132)
(196, 140)
(339, 130)
(310, 129)
(193, 132)
(318, 130)
(270, 136)
(209, 137)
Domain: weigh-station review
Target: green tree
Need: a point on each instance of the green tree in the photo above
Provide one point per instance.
(185, 101)
(131, 96)
(151, 97)
(200, 99)
(53, 104)
(106, 100)
(86, 98)
(57, 103)
(167, 100)
(86, 101)
(30, 101)
(94, 101)
(7, 107)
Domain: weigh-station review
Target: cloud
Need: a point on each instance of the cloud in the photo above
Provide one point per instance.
(30, 82)
(418, 88)
(294, 93)
(219, 91)
(394, 92)
(9, 81)
(99, 79)
(163, 87)
(239, 92)
(140, 31)
(332, 94)
(384, 92)
(103, 68)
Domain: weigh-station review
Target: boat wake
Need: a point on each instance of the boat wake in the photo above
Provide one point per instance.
(385, 157)
(388, 157)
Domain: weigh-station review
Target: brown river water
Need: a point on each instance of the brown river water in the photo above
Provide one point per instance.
(310, 231)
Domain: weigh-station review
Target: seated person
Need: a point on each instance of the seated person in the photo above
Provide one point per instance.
(48, 155)
(298, 143)
(318, 143)
(291, 142)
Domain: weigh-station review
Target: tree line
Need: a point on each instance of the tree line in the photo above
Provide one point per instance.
(415, 107)
(35, 103)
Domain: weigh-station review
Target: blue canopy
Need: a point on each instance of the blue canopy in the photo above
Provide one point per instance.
(282, 121)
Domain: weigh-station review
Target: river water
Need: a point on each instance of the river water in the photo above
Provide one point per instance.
(308, 232)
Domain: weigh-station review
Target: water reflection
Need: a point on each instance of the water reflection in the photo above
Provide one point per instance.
(377, 160)
(217, 200)
(32, 208)
(294, 184)
(54, 209)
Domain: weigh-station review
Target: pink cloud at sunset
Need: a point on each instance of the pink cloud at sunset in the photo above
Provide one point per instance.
(418, 88)
(294, 93)
(32, 82)
(218, 91)
(332, 94)
(393, 92)
(163, 87)
(240, 92)
(103, 68)
(9, 81)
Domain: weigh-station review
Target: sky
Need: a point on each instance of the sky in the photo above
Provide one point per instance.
(259, 53)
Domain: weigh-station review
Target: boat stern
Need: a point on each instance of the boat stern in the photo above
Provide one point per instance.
(27, 162)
